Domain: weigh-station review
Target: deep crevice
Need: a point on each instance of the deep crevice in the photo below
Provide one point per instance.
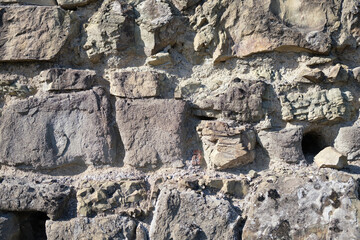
(312, 143)
(32, 225)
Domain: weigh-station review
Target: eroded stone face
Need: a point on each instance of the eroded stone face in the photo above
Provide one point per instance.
(242, 101)
(175, 217)
(325, 209)
(127, 196)
(110, 31)
(32, 33)
(65, 79)
(152, 131)
(283, 145)
(133, 84)
(348, 143)
(242, 28)
(317, 105)
(226, 145)
(50, 131)
(19, 194)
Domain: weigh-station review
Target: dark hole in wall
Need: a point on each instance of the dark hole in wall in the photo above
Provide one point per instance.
(32, 225)
(312, 143)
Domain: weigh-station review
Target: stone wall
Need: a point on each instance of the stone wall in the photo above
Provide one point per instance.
(179, 119)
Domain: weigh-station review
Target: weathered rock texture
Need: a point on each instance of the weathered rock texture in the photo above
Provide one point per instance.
(152, 132)
(179, 119)
(50, 131)
(226, 146)
(174, 217)
(32, 33)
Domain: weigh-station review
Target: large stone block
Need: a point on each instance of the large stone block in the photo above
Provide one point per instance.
(136, 84)
(242, 101)
(189, 215)
(32, 33)
(20, 194)
(50, 131)
(152, 131)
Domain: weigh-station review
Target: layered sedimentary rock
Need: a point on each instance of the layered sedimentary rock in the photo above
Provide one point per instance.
(226, 145)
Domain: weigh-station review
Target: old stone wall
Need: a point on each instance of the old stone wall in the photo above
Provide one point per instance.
(180, 119)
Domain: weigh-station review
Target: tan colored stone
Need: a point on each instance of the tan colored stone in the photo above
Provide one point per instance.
(235, 187)
(226, 146)
(70, 4)
(338, 74)
(126, 196)
(330, 158)
(110, 31)
(32, 33)
(317, 105)
(159, 59)
(135, 84)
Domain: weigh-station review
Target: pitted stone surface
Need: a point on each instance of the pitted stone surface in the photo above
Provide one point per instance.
(32, 33)
(50, 131)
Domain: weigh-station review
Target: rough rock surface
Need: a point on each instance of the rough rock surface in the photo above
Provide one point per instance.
(132, 84)
(129, 197)
(110, 30)
(242, 101)
(226, 145)
(331, 214)
(109, 227)
(283, 145)
(20, 195)
(32, 33)
(179, 119)
(161, 142)
(51, 131)
(61, 79)
(315, 106)
(174, 217)
(347, 142)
